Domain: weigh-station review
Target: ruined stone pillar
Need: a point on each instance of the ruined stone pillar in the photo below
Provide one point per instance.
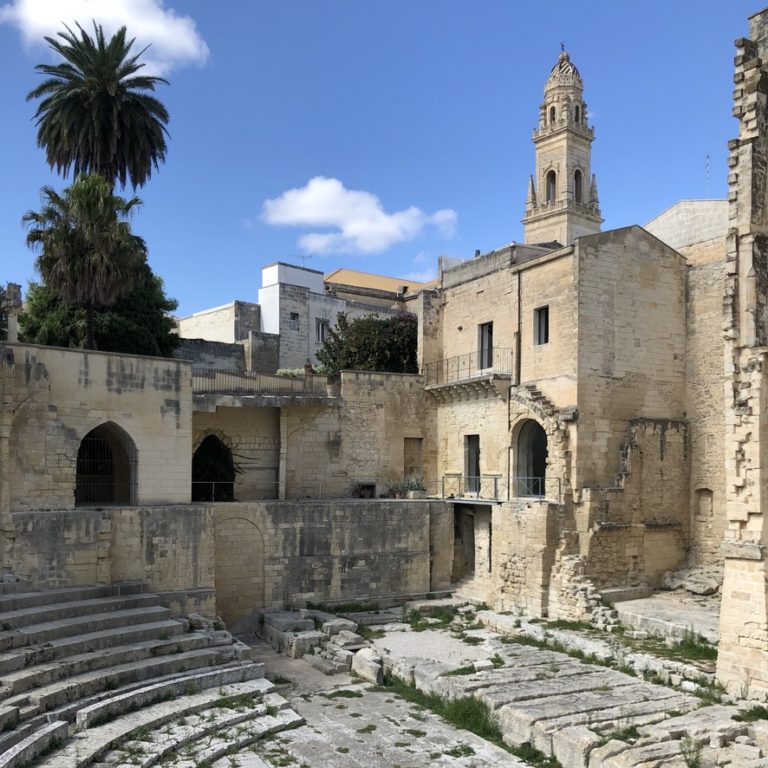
(743, 654)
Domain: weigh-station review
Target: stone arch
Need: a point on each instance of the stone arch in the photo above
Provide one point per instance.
(106, 467)
(577, 114)
(239, 571)
(213, 469)
(551, 186)
(552, 115)
(531, 449)
(578, 186)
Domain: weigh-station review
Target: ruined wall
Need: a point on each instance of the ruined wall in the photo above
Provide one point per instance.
(326, 450)
(633, 533)
(59, 395)
(705, 378)
(211, 354)
(253, 437)
(169, 547)
(292, 552)
(631, 346)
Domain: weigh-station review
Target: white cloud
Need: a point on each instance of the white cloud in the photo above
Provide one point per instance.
(174, 39)
(423, 276)
(359, 221)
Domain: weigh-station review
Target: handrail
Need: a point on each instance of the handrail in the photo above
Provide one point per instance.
(471, 486)
(468, 366)
(218, 381)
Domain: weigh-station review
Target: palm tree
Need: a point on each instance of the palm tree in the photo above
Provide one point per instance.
(88, 255)
(96, 114)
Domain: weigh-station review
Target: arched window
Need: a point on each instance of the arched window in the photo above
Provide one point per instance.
(213, 471)
(552, 115)
(551, 186)
(531, 459)
(106, 467)
(577, 186)
(577, 114)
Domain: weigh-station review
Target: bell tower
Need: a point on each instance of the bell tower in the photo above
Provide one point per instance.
(562, 201)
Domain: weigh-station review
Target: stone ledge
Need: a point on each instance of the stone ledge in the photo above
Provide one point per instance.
(742, 550)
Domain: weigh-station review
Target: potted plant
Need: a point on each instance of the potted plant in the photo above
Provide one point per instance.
(415, 488)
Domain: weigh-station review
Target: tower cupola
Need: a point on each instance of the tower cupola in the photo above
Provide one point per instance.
(562, 199)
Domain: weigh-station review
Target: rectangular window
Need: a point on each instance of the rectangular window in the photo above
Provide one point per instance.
(294, 321)
(412, 457)
(472, 463)
(321, 329)
(541, 325)
(485, 344)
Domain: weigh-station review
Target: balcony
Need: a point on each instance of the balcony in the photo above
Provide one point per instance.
(493, 488)
(213, 387)
(487, 371)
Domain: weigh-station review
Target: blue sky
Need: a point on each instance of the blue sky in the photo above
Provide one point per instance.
(413, 118)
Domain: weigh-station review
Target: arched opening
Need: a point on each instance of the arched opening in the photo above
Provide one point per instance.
(531, 460)
(551, 186)
(577, 114)
(213, 471)
(577, 186)
(552, 115)
(106, 463)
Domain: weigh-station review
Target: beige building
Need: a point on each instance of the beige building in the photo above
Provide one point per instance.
(591, 405)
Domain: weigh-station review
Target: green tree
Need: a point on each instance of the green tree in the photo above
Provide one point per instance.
(138, 324)
(88, 256)
(371, 344)
(96, 114)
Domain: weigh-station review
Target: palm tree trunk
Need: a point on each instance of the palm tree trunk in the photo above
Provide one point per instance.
(90, 322)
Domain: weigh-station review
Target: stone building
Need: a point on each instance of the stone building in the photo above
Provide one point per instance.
(296, 308)
(581, 416)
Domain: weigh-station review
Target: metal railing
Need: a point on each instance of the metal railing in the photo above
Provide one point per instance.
(469, 366)
(530, 486)
(213, 490)
(471, 486)
(215, 381)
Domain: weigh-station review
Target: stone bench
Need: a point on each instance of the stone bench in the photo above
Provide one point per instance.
(41, 741)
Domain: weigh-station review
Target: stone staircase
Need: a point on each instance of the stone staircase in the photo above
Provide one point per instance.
(83, 669)
(471, 589)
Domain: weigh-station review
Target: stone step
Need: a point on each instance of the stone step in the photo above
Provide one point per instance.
(15, 601)
(25, 617)
(90, 745)
(40, 742)
(78, 625)
(80, 686)
(43, 674)
(20, 658)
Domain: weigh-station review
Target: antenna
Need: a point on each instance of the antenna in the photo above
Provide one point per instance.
(302, 256)
(706, 175)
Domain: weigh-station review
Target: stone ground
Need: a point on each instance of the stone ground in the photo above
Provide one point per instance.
(582, 713)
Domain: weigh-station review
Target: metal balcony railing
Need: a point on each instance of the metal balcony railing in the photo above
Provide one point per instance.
(470, 486)
(530, 486)
(215, 381)
(469, 366)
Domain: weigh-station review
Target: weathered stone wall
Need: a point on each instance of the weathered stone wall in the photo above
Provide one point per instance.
(169, 547)
(58, 395)
(326, 450)
(631, 343)
(229, 323)
(291, 552)
(705, 379)
(211, 354)
(253, 437)
(633, 533)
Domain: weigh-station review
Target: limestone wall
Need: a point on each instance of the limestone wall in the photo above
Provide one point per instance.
(287, 553)
(253, 437)
(326, 450)
(56, 396)
(631, 344)
(228, 323)
(211, 354)
(169, 547)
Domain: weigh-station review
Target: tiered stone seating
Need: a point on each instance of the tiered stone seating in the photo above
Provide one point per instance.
(74, 659)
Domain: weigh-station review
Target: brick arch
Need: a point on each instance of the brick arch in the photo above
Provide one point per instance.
(239, 571)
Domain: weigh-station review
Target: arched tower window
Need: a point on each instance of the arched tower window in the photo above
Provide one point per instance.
(551, 186)
(577, 114)
(531, 459)
(552, 115)
(106, 467)
(577, 186)
(213, 471)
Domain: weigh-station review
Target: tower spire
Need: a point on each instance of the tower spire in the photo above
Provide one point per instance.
(564, 209)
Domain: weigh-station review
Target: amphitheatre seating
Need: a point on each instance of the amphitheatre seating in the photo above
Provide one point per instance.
(82, 668)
